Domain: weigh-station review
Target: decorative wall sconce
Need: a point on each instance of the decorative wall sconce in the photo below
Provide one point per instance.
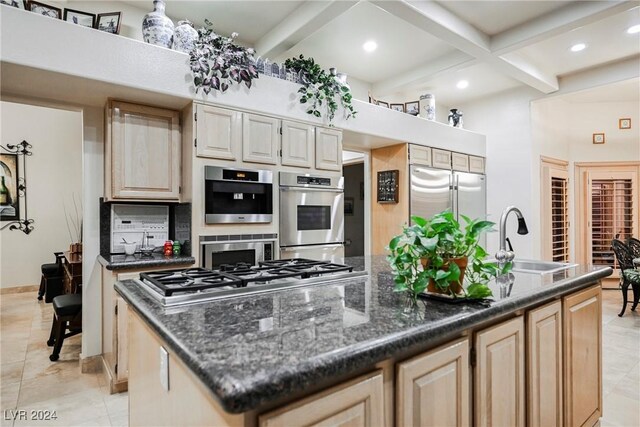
(13, 186)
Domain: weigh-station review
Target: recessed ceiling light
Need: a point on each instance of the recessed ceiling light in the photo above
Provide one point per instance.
(578, 47)
(462, 84)
(633, 29)
(370, 46)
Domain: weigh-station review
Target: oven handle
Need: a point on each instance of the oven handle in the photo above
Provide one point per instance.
(305, 189)
(297, 248)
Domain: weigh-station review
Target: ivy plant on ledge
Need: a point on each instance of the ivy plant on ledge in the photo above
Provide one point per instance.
(321, 90)
(217, 62)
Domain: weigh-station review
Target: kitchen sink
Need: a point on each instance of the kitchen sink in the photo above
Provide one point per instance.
(539, 267)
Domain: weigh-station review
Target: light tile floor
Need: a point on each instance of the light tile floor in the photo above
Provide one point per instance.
(30, 381)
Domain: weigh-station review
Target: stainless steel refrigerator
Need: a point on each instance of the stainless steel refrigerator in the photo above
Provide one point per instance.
(435, 190)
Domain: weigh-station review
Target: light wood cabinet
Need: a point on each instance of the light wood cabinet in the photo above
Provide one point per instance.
(218, 132)
(544, 366)
(582, 336)
(476, 164)
(433, 389)
(142, 152)
(359, 402)
(460, 162)
(297, 144)
(419, 155)
(499, 379)
(328, 149)
(441, 158)
(260, 139)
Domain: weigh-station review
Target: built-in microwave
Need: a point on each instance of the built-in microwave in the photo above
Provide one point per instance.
(216, 253)
(238, 195)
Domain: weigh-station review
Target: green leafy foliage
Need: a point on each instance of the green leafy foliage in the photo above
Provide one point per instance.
(217, 62)
(438, 241)
(321, 90)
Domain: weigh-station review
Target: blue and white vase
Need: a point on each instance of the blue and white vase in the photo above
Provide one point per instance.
(184, 37)
(157, 29)
(428, 106)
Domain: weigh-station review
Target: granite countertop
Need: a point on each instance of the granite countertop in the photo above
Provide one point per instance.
(253, 350)
(124, 262)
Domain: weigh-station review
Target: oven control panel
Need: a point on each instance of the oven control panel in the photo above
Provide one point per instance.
(314, 180)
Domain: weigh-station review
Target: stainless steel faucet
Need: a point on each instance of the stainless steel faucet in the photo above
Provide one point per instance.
(503, 256)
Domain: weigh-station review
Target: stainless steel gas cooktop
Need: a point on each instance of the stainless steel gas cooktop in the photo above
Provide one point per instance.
(188, 286)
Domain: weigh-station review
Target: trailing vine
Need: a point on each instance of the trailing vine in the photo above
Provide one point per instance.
(320, 89)
(217, 61)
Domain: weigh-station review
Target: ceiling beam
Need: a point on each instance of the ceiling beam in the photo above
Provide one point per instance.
(570, 17)
(302, 22)
(436, 20)
(447, 63)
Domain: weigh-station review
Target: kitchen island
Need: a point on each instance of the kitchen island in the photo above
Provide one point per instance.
(357, 351)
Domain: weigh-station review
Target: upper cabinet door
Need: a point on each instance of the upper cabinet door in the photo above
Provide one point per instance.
(441, 158)
(144, 152)
(328, 149)
(218, 132)
(476, 164)
(260, 139)
(297, 144)
(499, 386)
(460, 162)
(419, 155)
(433, 388)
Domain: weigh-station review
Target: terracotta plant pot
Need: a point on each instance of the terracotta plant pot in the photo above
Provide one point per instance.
(454, 286)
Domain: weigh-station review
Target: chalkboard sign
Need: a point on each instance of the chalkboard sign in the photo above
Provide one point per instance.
(388, 186)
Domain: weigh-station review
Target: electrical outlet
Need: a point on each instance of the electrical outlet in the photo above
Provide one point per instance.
(164, 368)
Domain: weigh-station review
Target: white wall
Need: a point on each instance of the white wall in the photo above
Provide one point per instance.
(505, 120)
(54, 174)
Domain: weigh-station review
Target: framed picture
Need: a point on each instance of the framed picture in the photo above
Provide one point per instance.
(348, 206)
(9, 202)
(45, 9)
(109, 22)
(81, 18)
(398, 107)
(412, 108)
(20, 4)
(624, 124)
(383, 104)
(598, 138)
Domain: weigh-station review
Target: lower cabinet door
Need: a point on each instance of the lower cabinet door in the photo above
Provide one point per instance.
(582, 317)
(433, 388)
(544, 366)
(499, 380)
(357, 403)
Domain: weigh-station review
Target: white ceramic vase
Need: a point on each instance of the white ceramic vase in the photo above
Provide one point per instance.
(428, 106)
(184, 37)
(157, 28)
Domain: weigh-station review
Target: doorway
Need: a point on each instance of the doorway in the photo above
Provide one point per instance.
(354, 203)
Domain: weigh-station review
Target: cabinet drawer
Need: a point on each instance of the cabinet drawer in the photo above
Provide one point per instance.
(441, 158)
(460, 162)
(357, 403)
(419, 155)
(476, 164)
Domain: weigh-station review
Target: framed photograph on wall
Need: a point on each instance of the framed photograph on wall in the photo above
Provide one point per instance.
(383, 104)
(398, 107)
(45, 9)
(412, 108)
(109, 22)
(624, 123)
(20, 4)
(598, 138)
(81, 18)
(9, 201)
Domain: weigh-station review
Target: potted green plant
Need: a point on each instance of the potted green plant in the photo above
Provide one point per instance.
(437, 255)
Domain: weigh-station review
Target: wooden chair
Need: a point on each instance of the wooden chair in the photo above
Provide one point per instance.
(625, 262)
(51, 280)
(67, 314)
